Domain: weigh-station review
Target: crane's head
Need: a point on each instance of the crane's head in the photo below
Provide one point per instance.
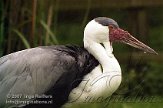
(103, 29)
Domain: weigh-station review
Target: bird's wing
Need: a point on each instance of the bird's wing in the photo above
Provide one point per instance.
(31, 71)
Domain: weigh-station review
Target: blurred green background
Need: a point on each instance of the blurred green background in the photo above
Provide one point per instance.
(25, 24)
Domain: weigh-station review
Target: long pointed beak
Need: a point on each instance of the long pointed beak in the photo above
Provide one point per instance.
(123, 36)
(132, 41)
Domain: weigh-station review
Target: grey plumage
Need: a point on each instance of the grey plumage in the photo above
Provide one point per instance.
(44, 70)
(106, 21)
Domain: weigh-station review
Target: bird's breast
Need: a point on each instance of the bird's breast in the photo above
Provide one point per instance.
(96, 85)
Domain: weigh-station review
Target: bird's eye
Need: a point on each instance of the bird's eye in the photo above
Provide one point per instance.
(111, 27)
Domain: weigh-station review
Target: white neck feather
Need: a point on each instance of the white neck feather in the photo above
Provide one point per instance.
(95, 84)
(94, 35)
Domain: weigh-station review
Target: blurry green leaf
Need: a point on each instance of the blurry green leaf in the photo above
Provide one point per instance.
(53, 37)
(22, 37)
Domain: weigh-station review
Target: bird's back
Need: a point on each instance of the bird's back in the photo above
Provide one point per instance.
(50, 70)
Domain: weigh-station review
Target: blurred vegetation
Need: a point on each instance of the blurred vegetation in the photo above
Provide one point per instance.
(25, 24)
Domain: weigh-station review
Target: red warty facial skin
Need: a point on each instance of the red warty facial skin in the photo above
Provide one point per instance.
(120, 35)
(117, 34)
